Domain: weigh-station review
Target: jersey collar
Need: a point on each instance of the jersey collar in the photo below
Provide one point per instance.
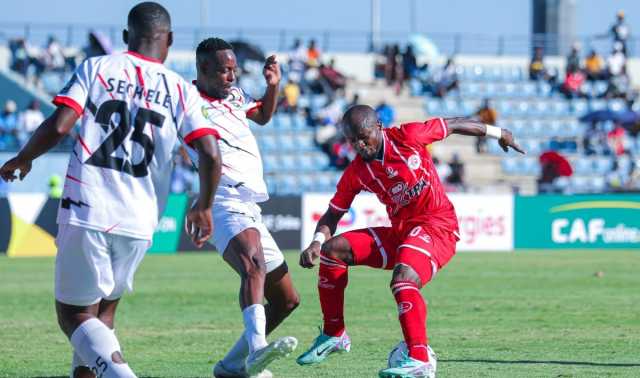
(380, 156)
(143, 57)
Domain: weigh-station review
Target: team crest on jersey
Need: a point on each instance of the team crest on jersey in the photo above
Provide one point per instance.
(391, 173)
(414, 162)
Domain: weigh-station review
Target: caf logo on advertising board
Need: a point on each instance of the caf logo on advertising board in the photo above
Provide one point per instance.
(593, 229)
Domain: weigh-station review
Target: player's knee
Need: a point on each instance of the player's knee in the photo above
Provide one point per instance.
(292, 303)
(404, 273)
(336, 249)
(253, 264)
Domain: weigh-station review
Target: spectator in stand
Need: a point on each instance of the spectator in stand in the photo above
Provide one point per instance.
(594, 67)
(29, 120)
(616, 61)
(573, 60)
(313, 54)
(537, 70)
(617, 139)
(620, 31)
(24, 60)
(386, 114)
(291, 94)
(54, 59)
(392, 68)
(447, 79)
(9, 126)
(409, 64)
(619, 86)
(442, 168)
(97, 44)
(488, 115)
(335, 79)
(355, 100)
(297, 61)
(456, 178)
(571, 87)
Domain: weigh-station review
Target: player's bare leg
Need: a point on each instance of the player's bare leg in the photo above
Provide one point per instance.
(335, 257)
(244, 254)
(93, 340)
(282, 297)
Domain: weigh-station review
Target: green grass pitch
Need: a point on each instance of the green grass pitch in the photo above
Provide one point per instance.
(529, 314)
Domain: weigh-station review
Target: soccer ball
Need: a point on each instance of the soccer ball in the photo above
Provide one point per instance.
(397, 354)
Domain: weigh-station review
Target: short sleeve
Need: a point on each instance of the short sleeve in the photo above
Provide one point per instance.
(249, 104)
(194, 123)
(347, 189)
(76, 91)
(426, 132)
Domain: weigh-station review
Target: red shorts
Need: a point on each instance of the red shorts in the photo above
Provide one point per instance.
(424, 248)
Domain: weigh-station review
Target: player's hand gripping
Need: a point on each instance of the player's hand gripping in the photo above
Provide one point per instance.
(507, 140)
(271, 71)
(198, 224)
(310, 255)
(8, 170)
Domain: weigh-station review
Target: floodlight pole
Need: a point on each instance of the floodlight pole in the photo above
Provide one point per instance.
(375, 25)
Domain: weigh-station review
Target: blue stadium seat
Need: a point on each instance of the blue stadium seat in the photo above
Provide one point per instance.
(282, 121)
(560, 108)
(579, 107)
(305, 163)
(270, 163)
(288, 184)
(572, 129)
(303, 141)
(535, 129)
(286, 142)
(433, 107)
(511, 166)
(597, 105)
(582, 166)
(288, 162)
(597, 184)
(616, 105)
(579, 184)
(320, 160)
(603, 165)
(530, 166)
(600, 87)
(267, 142)
(527, 89)
(304, 102)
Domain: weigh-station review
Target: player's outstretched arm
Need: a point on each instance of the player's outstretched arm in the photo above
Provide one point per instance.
(324, 231)
(198, 223)
(272, 76)
(46, 136)
(472, 127)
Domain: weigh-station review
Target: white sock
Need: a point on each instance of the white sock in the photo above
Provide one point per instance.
(95, 343)
(255, 326)
(237, 355)
(75, 362)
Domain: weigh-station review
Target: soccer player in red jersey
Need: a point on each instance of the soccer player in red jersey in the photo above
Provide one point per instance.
(394, 164)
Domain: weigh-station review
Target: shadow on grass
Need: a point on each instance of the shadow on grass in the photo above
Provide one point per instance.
(550, 362)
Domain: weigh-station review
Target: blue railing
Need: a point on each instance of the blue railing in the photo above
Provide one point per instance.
(335, 40)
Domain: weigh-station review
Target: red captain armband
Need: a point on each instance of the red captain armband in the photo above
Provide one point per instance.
(199, 133)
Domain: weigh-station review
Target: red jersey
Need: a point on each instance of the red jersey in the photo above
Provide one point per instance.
(405, 180)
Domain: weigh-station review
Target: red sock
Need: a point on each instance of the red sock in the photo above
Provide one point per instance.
(412, 313)
(332, 280)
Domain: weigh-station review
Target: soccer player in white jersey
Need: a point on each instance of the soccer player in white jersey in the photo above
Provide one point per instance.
(239, 235)
(133, 112)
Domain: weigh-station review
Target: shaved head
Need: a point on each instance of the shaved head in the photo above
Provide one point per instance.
(147, 19)
(358, 117)
(363, 130)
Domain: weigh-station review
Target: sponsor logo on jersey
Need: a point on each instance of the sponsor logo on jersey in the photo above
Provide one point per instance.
(404, 307)
(402, 195)
(414, 162)
(391, 173)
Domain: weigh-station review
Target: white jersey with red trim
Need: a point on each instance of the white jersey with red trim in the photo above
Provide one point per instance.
(242, 173)
(133, 112)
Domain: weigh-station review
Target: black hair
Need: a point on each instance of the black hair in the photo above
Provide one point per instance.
(148, 18)
(209, 47)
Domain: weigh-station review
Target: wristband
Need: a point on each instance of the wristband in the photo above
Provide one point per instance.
(493, 132)
(319, 237)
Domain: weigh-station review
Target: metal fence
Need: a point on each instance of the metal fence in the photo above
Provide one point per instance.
(329, 40)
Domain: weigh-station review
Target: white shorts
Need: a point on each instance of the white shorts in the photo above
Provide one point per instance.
(231, 217)
(93, 265)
